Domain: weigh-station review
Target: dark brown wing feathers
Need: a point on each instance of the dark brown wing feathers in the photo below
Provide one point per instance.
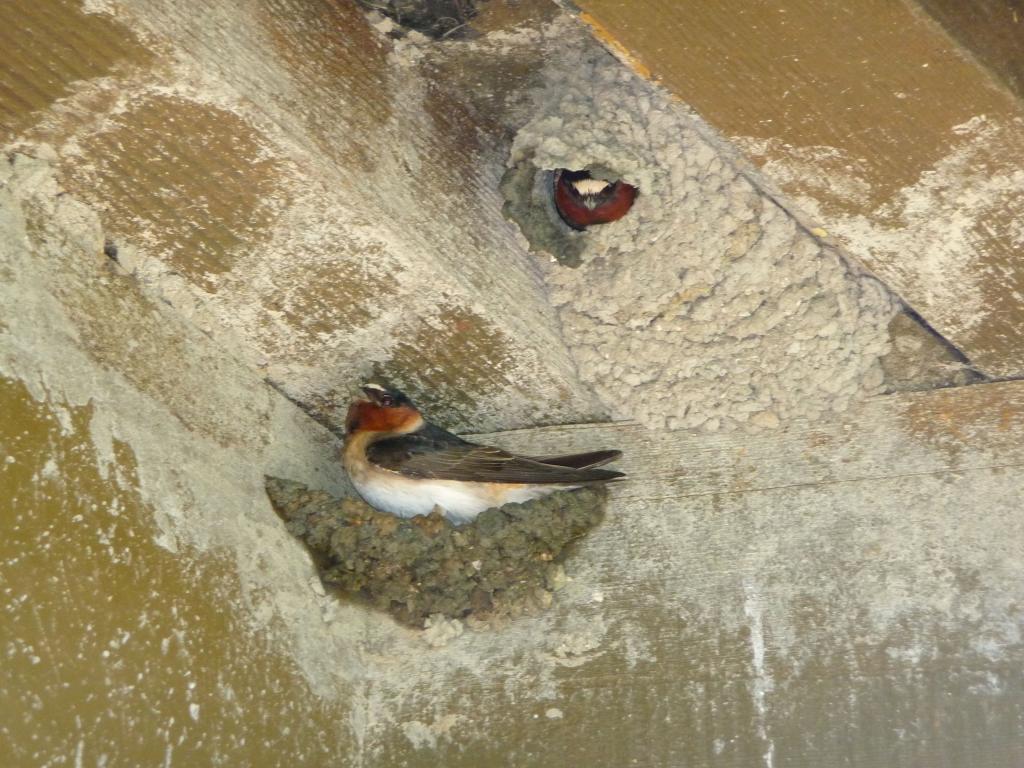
(433, 453)
(579, 460)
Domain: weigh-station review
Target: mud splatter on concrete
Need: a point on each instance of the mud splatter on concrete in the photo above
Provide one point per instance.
(920, 359)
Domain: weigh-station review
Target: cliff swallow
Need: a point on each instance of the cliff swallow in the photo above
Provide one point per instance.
(402, 464)
(582, 200)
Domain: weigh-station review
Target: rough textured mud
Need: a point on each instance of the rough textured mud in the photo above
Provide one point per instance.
(504, 563)
(707, 306)
(528, 203)
(436, 18)
(919, 359)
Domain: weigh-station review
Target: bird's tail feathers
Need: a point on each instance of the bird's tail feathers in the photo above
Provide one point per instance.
(587, 460)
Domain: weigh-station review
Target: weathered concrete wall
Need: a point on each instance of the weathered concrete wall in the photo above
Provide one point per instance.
(834, 591)
(840, 591)
(145, 593)
(307, 191)
(844, 590)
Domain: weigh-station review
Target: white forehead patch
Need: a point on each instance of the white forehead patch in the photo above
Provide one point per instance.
(374, 385)
(591, 186)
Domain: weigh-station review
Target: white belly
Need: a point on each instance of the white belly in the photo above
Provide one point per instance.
(461, 501)
(406, 497)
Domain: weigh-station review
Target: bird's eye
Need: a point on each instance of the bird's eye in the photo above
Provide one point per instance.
(387, 401)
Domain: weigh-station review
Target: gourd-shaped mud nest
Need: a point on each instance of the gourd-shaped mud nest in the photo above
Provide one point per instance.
(504, 563)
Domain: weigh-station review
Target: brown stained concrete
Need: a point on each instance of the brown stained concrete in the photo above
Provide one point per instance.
(123, 330)
(47, 47)
(992, 30)
(292, 178)
(815, 73)
(129, 620)
(119, 651)
(335, 302)
(950, 419)
(877, 126)
(427, 347)
(501, 15)
(191, 182)
(329, 50)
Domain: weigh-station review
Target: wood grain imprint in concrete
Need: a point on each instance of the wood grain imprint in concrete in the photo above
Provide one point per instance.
(118, 651)
(46, 47)
(190, 182)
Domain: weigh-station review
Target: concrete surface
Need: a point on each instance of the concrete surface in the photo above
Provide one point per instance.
(990, 30)
(840, 592)
(875, 128)
(281, 180)
(302, 188)
(134, 453)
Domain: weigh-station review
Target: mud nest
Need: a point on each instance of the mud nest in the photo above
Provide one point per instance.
(504, 563)
(527, 193)
(435, 18)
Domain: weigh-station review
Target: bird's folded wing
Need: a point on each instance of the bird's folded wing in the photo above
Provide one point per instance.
(426, 456)
(579, 460)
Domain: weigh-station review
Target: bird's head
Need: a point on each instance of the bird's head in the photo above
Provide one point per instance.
(383, 410)
(582, 199)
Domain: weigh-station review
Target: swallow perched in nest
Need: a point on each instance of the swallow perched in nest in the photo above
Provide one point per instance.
(402, 464)
(581, 200)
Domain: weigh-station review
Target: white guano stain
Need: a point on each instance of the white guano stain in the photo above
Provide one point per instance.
(763, 683)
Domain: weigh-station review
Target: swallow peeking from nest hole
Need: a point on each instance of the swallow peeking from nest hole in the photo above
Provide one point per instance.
(582, 200)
